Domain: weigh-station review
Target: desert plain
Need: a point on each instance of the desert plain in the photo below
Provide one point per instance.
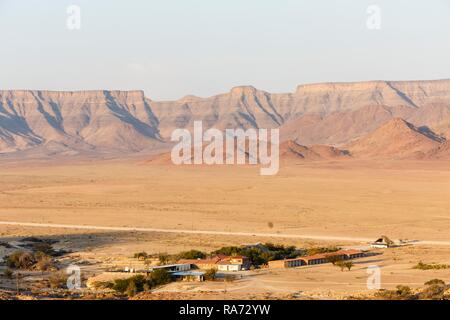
(345, 203)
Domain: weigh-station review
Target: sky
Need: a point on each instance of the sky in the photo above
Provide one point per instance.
(172, 48)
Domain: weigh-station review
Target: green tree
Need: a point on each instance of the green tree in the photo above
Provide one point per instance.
(192, 254)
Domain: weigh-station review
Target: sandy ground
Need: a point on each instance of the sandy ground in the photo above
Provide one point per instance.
(403, 200)
(342, 199)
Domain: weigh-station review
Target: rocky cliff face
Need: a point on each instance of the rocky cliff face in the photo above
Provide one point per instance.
(85, 121)
(127, 121)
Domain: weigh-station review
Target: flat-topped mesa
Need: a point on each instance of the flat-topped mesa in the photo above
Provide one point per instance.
(373, 85)
(343, 87)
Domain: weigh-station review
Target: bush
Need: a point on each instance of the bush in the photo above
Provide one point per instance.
(401, 293)
(210, 274)
(141, 255)
(435, 281)
(44, 262)
(58, 280)
(435, 290)
(25, 261)
(140, 283)
(160, 277)
(20, 260)
(425, 266)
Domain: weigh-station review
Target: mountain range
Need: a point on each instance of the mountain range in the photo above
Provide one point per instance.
(376, 119)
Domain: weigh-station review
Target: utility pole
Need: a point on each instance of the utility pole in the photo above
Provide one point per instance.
(17, 283)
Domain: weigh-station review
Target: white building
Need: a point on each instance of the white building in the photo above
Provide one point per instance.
(229, 267)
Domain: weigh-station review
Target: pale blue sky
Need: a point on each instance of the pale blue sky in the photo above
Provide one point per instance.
(171, 48)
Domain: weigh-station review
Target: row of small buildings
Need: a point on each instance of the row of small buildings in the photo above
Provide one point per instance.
(194, 269)
(316, 259)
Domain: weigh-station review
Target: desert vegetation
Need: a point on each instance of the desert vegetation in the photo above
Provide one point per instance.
(262, 254)
(430, 266)
(435, 289)
(139, 283)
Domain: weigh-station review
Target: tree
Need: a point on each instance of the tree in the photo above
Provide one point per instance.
(160, 277)
(340, 264)
(334, 259)
(192, 254)
(210, 274)
(141, 255)
(163, 258)
(349, 265)
(131, 289)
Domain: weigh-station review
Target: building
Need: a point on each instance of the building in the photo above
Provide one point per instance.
(382, 243)
(204, 264)
(288, 263)
(234, 263)
(316, 259)
(353, 254)
(189, 276)
(173, 267)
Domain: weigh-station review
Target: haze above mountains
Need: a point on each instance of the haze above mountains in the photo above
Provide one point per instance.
(378, 119)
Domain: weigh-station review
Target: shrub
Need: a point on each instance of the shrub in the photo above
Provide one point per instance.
(210, 274)
(435, 281)
(131, 289)
(141, 255)
(435, 290)
(425, 266)
(20, 260)
(44, 262)
(401, 293)
(160, 277)
(120, 285)
(58, 280)
(140, 283)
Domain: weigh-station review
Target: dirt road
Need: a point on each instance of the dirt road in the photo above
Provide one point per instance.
(207, 232)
